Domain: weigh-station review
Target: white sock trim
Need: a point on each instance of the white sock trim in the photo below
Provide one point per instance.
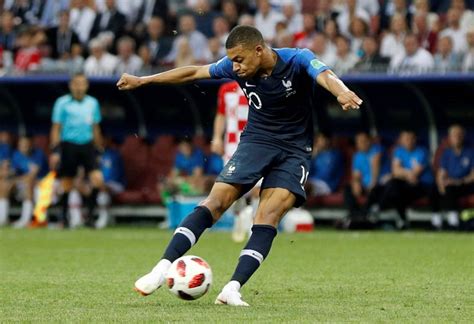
(254, 254)
(188, 233)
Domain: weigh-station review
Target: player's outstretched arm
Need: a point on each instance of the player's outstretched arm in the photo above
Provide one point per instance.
(174, 76)
(346, 98)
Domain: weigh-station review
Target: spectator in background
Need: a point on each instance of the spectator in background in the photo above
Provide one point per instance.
(204, 16)
(454, 30)
(345, 59)
(109, 25)
(467, 15)
(247, 20)
(158, 44)
(215, 50)
(100, 62)
(293, 18)
(51, 12)
(221, 31)
(372, 7)
(82, 18)
(332, 32)
(111, 166)
(391, 8)
(327, 167)
(358, 29)
(145, 55)
(411, 177)
(128, 61)
(371, 61)
(7, 32)
(29, 165)
(196, 40)
(325, 53)
(184, 55)
(304, 38)
(62, 38)
(230, 12)
(25, 11)
(266, 19)
(468, 61)
(28, 56)
(322, 14)
(392, 42)
(414, 59)
(427, 36)
(370, 171)
(422, 7)
(187, 176)
(5, 183)
(445, 60)
(350, 11)
(455, 176)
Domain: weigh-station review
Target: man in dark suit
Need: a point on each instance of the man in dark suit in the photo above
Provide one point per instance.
(371, 61)
(62, 38)
(158, 44)
(110, 21)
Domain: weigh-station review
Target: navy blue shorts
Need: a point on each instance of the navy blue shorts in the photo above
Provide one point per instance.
(278, 167)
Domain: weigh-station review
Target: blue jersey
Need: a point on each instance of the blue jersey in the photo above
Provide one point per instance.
(22, 163)
(361, 162)
(280, 104)
(408, 160)
(186, 164)
(111, 165)
(328, 166)
(458, 166)
(77, 118)
(214, 164)
(5, 151)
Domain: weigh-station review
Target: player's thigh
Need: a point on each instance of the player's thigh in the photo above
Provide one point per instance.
(221, 197)
(290, 173)
(274, 203)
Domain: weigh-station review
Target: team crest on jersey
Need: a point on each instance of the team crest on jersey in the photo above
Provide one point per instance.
(288, 85)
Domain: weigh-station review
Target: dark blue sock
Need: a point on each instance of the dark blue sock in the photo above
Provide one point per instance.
(188, 232)
(254, 253)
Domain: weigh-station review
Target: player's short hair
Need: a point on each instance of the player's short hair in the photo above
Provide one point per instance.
(246, 36)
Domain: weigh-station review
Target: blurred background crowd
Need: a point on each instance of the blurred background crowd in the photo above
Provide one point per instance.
(109, 37)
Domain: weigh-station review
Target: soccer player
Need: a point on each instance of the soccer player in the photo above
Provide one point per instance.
(275, 145)
(229, 123)
(76, 136)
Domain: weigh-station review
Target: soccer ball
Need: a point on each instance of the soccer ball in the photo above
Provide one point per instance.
(189, 277)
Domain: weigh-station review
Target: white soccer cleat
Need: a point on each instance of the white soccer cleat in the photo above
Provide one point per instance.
(153, 280)
(150, 282)
(230, 295)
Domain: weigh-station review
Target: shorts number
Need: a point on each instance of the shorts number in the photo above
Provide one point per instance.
(304, 175)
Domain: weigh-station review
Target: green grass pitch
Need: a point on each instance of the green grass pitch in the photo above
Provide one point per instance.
(324, 276)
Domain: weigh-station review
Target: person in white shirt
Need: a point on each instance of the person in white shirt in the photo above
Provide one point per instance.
(294, 19)
(455, 31)
(197, 41)
(392, 43)
(468, 62)
(100, 62)
(266, 20)
(351, 10)
(324, 53)
(445, 59)
(82, 19)
(345, 59)
(128, 62)
(414, 59)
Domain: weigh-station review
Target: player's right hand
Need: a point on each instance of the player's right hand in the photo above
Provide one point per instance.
(128, 82)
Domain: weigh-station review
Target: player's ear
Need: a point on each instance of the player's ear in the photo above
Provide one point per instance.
(258, 50)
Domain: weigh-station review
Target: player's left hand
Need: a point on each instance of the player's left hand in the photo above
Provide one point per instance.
(349, 100)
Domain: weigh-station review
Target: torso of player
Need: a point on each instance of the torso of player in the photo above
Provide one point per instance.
(280, 107)
(236, 112)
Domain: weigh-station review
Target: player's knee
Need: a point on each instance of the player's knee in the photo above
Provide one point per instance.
(217, 204)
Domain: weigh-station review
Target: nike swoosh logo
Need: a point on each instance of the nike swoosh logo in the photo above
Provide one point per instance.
(249, 85)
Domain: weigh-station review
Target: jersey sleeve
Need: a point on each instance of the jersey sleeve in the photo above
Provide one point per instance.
(308, 61)
(222, 69)
(57, 117)
(97, 118)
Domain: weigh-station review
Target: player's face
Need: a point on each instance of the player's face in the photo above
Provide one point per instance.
(79, 86)
(245, 61)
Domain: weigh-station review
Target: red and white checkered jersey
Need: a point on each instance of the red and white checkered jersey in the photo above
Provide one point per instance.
(233, 104)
